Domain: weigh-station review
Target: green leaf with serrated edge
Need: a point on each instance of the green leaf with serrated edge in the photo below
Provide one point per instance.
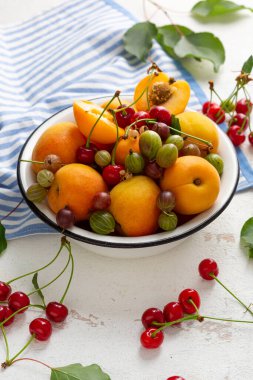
(138, 39)
(247, 66)
(36, 285)
(203, 46)
(3, 241)
(175, 124)
(209, 8)
(169, 35)
(78, 372)
(247, 236)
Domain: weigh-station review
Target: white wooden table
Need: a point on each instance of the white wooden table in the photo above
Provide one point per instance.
(108, 296)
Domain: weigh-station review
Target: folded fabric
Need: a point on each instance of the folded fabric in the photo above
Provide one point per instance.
(72, 51)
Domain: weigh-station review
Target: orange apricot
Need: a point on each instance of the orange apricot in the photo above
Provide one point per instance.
(115, 103)
(123, 148)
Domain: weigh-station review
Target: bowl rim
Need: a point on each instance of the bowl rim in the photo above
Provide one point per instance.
(113, 244)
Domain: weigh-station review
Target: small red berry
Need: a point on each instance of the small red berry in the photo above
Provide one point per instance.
(152, 315)
(56, 312)
(111, 174)
(140, 115)
(41, 328)
(148, 341)
(236, 136)
(241, 120)
(85, 155)
(172, 312)
(6, 312)
(216, 113)
(124, 117)
(207, 105)
(176, 378)
(250, 138)
(207, 267)
(244, 106)
(161, 114)
(184, 298)
(2, 313)
(5, 291)
(17, 301)
(65, 218)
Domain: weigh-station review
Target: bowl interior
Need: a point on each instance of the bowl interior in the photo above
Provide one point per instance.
(229, 182)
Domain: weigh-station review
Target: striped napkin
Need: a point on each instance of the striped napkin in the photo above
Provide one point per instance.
(72, 51)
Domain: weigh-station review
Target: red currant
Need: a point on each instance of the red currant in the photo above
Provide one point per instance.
(216, 113)
(244, 106)
(56, 312)
(111, 174)
(235, 135)
(85, 155)
(148, 341)
(206, 267)
(65, 218)
(173, 311)
(161, 114)
(184, 298)
(5, 291)
(176, 378)
(152, 315)
(250, 138)
(241, 120)
(140, 115)
(6, 312)
(207, 105)
(41, 328)
(17, 301)
(124, 117)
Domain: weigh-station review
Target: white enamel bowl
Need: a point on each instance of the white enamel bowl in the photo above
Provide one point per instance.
(130, 247)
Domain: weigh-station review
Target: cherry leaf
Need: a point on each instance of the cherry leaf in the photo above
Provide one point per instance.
(247, 66)
(3, 241)
(138, 39)
(211, 8)
(169, 35)
(247, 236)
(78, 372)
(36, 285)
(201, 46)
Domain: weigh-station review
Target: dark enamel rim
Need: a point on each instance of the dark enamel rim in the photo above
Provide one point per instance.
(98, 242)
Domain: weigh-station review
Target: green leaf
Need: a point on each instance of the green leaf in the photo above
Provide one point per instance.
(175, 124)
(247, 66)
(211, 8)
(78, 372)
(138, 39)
(201, 46)
(3, 241)
(36, 285)
(169, 35)
(247, 236)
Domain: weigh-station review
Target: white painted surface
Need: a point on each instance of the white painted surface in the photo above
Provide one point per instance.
(108, 296)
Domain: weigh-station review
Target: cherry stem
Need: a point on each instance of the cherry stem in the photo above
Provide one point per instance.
(135, 122)
(117, 138)
(68, 246)
(40, 269)
(33, 162)
(18, 311)
(116, 95)
(231, 293)
(168, 324)
(225, 319)
(9, 362)
(6, 344)
(14, 209)
(33, 360)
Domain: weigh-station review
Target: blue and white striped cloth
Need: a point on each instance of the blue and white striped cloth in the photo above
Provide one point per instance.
(72, 51)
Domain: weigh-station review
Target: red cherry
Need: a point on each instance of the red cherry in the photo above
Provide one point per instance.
(6, 312)
(2, 313)
(207, 105)
(152, 315)
(185, 296)
(150, 342)
(236, 136)
(140, 115)
(111, 174)
(241, 120)
(56, 312)
(161, 114)
(216, 113)
(176, 378)
(5, 291)
(250, 138)
(17, 301)
(244, 106)
(206, 267)
(124, 117)
(41, 328)
(85, 155)
(172, 312)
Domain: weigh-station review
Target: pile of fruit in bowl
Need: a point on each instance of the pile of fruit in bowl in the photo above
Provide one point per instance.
(129, 167)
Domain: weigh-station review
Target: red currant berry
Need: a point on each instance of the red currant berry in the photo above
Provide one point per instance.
(216, 113)
(5, 291)
(244, 106)
(250, 138)
(140, 115)
(152, 315)
(184, 298)
(56, 312)
(148, 341)
(65, 218)
(111, 174)
(176, 378)
(6, 312)
(85, 155)
(161, 114)
(17, 301)
(207, 105)
(124, 117)
(173, 311)
(207, 267)
(41, 328)
(235, 135)
(241, 120)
